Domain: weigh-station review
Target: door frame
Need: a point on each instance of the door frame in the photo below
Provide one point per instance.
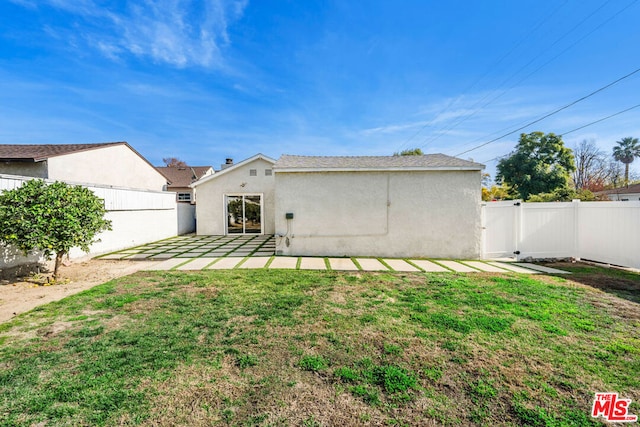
(226, 214)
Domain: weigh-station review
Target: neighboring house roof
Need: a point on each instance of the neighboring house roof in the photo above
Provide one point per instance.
(634, 188)
(288, 163)
(184, 176)
(234, 167)
(40, 152)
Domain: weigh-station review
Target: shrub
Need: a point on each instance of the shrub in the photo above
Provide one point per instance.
(52, 218)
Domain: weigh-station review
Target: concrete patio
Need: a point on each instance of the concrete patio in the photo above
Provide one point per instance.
(257, 252)
(191, 246)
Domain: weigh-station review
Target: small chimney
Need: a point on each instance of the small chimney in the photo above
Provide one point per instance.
(228, 162)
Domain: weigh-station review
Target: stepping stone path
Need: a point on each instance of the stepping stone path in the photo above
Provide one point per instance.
(371, 264)
(284, 262)
(344, 264)
(186, 253)
(457, 266)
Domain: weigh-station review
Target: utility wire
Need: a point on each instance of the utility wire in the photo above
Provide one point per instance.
(552, 112)
(601, 120)
(465, 118)
(581, 127)
(478, 80)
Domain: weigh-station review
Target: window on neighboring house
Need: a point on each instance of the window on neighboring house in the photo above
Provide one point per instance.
(253, 172)
(268, 172)
(184, 197)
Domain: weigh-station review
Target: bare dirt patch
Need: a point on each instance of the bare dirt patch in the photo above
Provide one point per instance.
(23, 294)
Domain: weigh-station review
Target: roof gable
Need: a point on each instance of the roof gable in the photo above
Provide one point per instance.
(289, 163)
(239, 165)
(183, 176)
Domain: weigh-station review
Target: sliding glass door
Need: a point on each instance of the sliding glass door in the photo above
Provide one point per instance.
(244, 213)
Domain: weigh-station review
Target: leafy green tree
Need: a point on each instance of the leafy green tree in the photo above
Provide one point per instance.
(564, 194)
(51, 218)
(540, 164)
(626, 151)
(495, 193)
(410, 152)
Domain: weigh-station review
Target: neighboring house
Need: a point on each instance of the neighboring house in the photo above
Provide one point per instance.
(181, 178)
(630, 193)
(114, 164)
(396, 206)
(239, 199)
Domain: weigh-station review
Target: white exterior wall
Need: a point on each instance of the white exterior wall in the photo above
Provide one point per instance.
(115, 165)
(133, 228)
(12, 257)
(393, 214)
(631, 197)
(186, 218)
(210, 208)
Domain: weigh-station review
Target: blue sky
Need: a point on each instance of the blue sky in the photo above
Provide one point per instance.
(206, 80)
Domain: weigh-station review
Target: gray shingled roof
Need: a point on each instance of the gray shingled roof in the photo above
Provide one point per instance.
(633, 188)
(40, 152)
(428, 161)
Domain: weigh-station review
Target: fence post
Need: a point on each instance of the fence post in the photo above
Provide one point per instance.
(483, 231)
(517, 223)
(576, 229)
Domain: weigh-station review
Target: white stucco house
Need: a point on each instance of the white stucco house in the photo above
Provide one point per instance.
(623, 194)
(114, 164)
(238, 199)
(396, 206)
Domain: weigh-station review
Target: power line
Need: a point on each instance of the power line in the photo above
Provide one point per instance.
(474, 112)
(600, 120)
(552, 112)
(479, 79)
(581, 127)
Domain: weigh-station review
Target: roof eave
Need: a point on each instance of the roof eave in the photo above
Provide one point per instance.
(232, 168)
(22, 160)
(387, 169)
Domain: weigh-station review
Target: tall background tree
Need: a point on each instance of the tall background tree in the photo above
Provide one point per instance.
(540, 164)
(410, 152)
(626, 151)
(595, 170)
(174, 162)
(52, 218)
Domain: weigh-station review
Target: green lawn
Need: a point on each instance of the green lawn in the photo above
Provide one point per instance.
(309, 348)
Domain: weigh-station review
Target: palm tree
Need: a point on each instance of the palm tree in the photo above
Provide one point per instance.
(627, 149)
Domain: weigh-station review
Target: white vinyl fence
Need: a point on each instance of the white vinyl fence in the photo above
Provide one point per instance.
(137, 216)
(607, 232)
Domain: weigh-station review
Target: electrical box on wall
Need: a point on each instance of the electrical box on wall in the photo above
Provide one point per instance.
(288, 215)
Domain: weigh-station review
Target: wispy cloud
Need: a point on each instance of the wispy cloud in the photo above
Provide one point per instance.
(181, 33)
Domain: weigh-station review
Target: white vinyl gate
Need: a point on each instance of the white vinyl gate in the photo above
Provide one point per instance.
(607, 232)
(500, 229)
